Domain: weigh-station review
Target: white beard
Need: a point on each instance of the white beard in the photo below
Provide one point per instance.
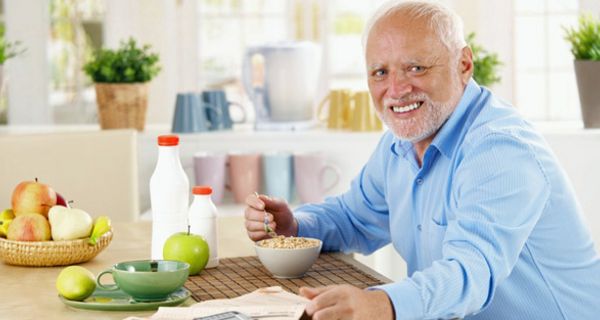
(416, 129)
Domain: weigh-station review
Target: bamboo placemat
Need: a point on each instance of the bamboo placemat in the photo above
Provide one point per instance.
(237, 276)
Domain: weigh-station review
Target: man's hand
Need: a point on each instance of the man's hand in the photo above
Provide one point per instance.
(347, 302)
(279, 215)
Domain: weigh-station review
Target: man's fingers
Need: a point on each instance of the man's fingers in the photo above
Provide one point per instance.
(257, 235)
(309, 292)
(254, 226)
(256, 202)
(328, 313)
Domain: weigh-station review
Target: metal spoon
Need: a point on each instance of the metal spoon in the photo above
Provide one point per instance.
(268, 229)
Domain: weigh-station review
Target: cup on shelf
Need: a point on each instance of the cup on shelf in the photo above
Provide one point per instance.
(190, 114)
(363, 116)
(278, 175)
(218, 110)
(244, 174)
(338, 106)
(315, 176)
(209, 169)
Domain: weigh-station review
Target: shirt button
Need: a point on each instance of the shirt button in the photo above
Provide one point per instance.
(419, 181)
(419, 227)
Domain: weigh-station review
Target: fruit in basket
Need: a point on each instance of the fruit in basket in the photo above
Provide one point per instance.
(29, 227)
(187, 247)
(60, 200)
(101, 226)
(6, 217)
(69, 223)
(33, 197)
(75, 283)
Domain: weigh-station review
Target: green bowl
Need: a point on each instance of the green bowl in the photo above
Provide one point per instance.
(147, 280)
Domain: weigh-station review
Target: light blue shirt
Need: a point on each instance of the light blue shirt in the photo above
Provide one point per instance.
(489, 226)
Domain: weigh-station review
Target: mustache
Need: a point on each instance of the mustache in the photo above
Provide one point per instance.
(405, 99)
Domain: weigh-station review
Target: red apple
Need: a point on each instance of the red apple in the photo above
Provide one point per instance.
(33, 197)
(60, 200)
(29, 227)
(187, 247)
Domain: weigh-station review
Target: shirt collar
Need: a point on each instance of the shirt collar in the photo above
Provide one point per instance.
(446, 137)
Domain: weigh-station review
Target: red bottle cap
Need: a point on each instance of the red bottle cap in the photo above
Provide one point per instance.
(202, 190)
(168, 140)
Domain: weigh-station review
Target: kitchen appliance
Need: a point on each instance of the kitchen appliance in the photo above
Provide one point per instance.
(281, 80)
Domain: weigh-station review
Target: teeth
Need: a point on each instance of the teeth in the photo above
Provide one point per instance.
(407, 108)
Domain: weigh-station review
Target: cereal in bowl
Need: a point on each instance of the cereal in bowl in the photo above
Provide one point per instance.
(282, 242)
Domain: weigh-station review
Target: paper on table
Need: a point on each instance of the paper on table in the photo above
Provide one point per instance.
(272, 303)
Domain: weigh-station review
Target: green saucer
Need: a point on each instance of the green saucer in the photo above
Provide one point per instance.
(120, 301)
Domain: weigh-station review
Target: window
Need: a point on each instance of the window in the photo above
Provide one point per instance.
(75, 31)
(227, 27)
(345, 51)
(545, 84)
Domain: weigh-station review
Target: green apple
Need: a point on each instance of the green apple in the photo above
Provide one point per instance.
(187, 247)
(33, 197)
(75, 283)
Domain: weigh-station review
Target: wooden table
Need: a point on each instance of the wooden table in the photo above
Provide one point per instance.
(30, 293)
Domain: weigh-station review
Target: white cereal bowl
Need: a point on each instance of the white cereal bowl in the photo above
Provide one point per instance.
(288, 263)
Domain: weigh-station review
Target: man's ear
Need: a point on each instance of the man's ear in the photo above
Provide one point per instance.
(466, 64)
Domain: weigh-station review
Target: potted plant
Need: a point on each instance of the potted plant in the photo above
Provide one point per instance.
(486, 64)
(121, 77)
(585, 46)
(7, 50)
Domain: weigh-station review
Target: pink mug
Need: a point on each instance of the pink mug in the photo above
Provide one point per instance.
(314, 176)
(209, 170)
(244, 175)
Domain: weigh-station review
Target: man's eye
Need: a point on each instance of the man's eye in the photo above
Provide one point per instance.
(379, 73)
(417, 69)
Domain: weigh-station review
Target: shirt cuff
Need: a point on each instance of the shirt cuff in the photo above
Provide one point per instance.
(307, 224)
(405, 298)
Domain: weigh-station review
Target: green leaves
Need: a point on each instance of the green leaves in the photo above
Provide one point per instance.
(125, 65)
(8, 49)
(585, 41)
(486, 64)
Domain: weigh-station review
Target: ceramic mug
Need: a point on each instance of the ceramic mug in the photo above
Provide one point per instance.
(209, 169)
(363, 116)
(190, 114)
(244, 175)
(339, 102)
(216, 100)
(314, 176)
(278, 175)
(147, 280)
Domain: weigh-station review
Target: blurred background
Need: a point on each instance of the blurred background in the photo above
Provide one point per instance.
(201, 44)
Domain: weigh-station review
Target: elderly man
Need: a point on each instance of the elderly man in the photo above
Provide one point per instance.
(468, 193)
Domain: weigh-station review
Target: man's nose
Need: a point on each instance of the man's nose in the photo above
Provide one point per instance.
(399, 84)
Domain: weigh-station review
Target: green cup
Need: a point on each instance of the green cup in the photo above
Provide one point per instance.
(147, 280)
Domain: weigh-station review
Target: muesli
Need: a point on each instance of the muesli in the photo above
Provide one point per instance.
(282, 242)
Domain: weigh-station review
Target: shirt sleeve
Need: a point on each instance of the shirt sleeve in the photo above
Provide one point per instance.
(500, 190)
(357, 220)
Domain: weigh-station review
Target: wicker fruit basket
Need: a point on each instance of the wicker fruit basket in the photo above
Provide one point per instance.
(51, 253)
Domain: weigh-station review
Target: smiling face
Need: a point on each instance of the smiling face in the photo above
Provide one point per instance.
(415, 81)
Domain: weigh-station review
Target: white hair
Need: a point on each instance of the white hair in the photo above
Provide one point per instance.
(444, 22)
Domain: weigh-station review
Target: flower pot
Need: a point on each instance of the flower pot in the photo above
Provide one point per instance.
(122, 105)
(588, 77)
